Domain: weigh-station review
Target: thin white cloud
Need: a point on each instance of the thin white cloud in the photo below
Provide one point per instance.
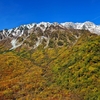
(96, 18)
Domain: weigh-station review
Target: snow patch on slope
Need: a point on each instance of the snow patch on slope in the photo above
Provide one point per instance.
(39, 41)
(14, 44)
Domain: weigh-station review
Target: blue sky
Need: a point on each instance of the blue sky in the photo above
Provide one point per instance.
(16, 12)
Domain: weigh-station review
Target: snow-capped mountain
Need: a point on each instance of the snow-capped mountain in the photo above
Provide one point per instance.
(44, 31)
(18, 31)
(86, 26)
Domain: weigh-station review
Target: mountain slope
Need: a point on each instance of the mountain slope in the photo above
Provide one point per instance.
(56, 64)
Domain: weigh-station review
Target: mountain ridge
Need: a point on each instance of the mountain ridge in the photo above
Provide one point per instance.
(85, 25)
(43, 29)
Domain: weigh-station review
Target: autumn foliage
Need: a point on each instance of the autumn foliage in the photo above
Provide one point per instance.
(60, 73)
